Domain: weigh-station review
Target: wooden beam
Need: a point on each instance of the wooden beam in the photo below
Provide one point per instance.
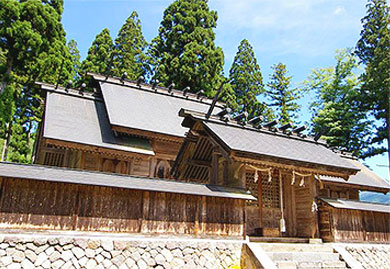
(201, 163)
(148, 134)
(288, 165)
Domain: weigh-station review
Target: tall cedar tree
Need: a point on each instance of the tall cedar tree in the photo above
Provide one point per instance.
(337, 112)
(283, 97)
(130, 50)
(75, 54)
(99, 54)
(246, 82)
(34, 46)
(373, 49)
(184, 51)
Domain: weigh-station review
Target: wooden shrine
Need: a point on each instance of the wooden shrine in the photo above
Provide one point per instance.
(120, 150)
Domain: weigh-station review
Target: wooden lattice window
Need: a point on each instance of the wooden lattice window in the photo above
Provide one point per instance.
(251, 186)
(54, 158)
(270, 191)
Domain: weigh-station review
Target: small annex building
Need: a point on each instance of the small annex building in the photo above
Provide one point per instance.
(132, 157)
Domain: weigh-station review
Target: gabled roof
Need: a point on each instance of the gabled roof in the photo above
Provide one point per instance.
(82, 119)
(145, 108)
(66, 175)
(357, 205)
(365, 178)
(264, 143)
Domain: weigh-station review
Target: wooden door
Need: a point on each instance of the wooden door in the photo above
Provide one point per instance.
(298, 201)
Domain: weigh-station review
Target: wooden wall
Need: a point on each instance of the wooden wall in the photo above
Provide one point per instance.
(346, 225)
(335, 191)
(40, 205)
(132, 164)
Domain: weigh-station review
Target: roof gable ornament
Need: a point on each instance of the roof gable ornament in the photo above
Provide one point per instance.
(216, 97)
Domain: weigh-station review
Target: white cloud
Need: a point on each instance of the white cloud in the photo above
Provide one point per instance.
(339, 10)
(308, 27)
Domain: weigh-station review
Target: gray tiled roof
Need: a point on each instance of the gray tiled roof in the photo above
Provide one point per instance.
(66, 175)
(144, 109)
(278, 146)
(350, 204)
(365, 177)
(74, 118)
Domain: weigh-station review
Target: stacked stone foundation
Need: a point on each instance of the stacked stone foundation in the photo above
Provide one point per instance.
(73, 252)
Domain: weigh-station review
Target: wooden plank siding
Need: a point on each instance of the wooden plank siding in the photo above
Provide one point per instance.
(347, 225)
(39, 205)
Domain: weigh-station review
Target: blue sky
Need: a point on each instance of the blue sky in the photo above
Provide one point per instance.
(303, 34)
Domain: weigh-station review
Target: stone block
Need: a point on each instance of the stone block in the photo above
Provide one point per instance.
(54, 256)
(14, 266)
(167, 254)
(93, 244)
(26, 264)
(78, 252)
(91, 264)
(5, 261)
(42, 257)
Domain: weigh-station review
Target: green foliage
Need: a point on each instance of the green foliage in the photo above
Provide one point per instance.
(130, 50)
(184, 51)
(373, 49)
(98, 58)
(34, 47)
(246, 83)
(21, 144)
(337, 111)
(75, 54)
(283, 97)
(58, 5)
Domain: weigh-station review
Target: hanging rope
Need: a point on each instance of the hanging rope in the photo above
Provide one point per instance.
(314, 207)
(282, 221)
(269, 170)
(302, 183)
(319, 181)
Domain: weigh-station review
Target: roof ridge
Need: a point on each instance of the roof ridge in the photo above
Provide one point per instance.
(70, 91)
(155, 89)
(214, 119)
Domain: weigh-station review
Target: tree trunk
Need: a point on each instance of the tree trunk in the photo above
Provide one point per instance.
(7, 74)
(387, 118)
(4, 154)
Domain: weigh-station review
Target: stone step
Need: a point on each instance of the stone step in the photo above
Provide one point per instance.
(307, 265)
(304, 256)
(280, 247)
(286, 265)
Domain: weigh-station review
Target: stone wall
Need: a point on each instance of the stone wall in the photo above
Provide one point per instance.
(370, 255)
(83, 252)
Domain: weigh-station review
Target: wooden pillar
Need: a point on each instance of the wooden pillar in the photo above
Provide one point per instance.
(214, 168)
(315, 227)
(260, 198)
(152, 166)
(226, 175)
(145, 213)
(203, 214)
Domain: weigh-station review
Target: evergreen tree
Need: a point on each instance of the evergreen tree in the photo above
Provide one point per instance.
(246, 82)
(373, 49)
(33, 43)
(98, 58)
(130, 50)
(338, 113)
(283, 97)
(75, 54)
(184, 51)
